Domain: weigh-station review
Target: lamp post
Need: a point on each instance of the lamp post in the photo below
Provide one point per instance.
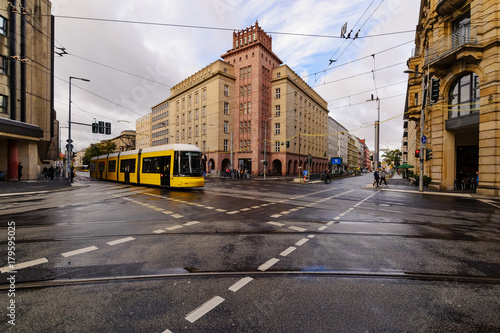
(422, 123)
(265, 146)
(68, 160)
(377, 132)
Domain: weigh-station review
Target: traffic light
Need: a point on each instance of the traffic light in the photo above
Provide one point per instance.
(417, 152)
(288, 144)
(101, 127)
(95, 128)
(107, 127)
(434, 90)
(371, 158)
(428, 154)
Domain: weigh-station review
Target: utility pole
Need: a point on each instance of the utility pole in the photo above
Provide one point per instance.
(377, 132)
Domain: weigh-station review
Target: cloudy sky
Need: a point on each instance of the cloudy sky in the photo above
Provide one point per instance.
(133, 52)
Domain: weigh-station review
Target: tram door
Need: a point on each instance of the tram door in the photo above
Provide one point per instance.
(165, 170)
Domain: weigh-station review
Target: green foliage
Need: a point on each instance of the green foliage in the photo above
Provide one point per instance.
(96, 149)
(392, 156)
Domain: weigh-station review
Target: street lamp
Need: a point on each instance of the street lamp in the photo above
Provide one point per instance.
(377, 132)
(68, 160)
(265, 146)
(422, 122)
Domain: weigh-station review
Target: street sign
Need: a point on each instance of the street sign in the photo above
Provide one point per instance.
(424, 139)
(69, 141)
(67, 147)
(306, 172)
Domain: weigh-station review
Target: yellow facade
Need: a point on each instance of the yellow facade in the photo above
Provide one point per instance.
(458, 42)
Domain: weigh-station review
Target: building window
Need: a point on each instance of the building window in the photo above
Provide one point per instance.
(204, 129)
(183, 103)
(226, 126)
(249, 126)
(249, 107)
(278, 93)
(204, 146)
(226, 108)
(460, 33)
(3, 104)
(226, 90)
(3, 65)
(277, 146)
(226, 145)
(196, 98)
(416, 99)
(189, 132)
(196, 113)
(464, 96)
(189, 100)
(250, 70)
(196, 131)
(277, 128)
(204, 111)
(278, 110)
(278, 74)
(189, 116)
(3, 25)
(204, 94)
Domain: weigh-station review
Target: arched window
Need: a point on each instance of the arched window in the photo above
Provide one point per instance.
(464, 96)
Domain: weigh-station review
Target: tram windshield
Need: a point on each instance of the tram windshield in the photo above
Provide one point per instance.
(188, 163)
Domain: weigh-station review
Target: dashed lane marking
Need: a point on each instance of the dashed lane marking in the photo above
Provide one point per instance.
(204, 309)
(80, 251)
(277, 223)
(23, 265)
(297, 228)
(240, 284)
(174, 227)
(119, 241)
(268, 264)
(302, 242)
(288, 251)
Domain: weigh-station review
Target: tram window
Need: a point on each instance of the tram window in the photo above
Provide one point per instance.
(92, 166)
(102, 166)
(188, 163)
(127, 165)
(151, 165)
(112, 166)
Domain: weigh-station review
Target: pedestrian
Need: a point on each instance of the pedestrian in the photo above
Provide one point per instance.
(376, 176)
(19, 171)
(45, 173)
(52, 172)
(383, 174)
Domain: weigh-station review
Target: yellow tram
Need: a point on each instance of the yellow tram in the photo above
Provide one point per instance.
(174, 165)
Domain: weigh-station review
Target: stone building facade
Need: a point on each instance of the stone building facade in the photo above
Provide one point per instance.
(246, 109)
(458, 42)
(28, 125)
(143, 132)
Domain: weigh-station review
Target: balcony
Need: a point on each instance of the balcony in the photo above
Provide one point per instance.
(462, 43)
(447, 7)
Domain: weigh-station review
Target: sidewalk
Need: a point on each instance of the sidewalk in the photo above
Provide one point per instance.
(11, 188)
(397, 183)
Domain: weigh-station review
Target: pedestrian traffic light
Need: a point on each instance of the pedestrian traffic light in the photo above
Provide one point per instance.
(417, 152)
(428, 154)
(434, 90)
(107, 127)
(95, 128)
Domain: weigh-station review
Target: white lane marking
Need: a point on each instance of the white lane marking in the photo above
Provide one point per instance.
(302, 242)
(159, 231)
(297, 229)
(167, 331)
(288, 251)
(285, 212)
(276, 215)
(322, 228)
(311, 236)
(158, 209)
(177, 216)
(277, 223)
(174, 227)
(221, 210)
(80, 251)
(336, 218)
(245, 209)
(330, 223)
(167, 212)
(119, 241)
(255, 207)
(240, 284)
(191, 223)
(24, 265)
(233, 212)
(268, 264)
(204, 309)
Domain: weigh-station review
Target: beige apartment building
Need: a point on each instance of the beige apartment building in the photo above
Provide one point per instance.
(458, 42)
(246, 109)
(28, 125)
(143, 129)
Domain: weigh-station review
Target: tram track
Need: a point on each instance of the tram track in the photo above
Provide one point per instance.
(385, 275)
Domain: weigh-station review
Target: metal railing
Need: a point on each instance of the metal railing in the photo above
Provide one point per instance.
(464, 35)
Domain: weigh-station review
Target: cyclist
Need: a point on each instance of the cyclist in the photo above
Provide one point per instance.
(328, 180)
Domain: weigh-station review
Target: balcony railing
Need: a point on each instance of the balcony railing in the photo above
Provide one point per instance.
(465, 35)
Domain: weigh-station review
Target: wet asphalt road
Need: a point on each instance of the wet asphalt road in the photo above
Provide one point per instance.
(250, 256)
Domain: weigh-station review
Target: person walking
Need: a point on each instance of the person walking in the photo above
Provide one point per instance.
(19, 171)
(377, 178)
(383, 174)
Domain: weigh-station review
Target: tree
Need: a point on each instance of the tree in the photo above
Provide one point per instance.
(392, 156)
(97, 149)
